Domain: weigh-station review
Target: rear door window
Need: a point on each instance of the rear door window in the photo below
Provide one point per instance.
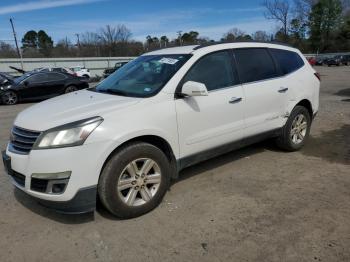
(254, 64)
(56, 77)
(38, 78)
(288, 61)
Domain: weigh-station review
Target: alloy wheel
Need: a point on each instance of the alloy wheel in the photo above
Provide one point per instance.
(139, 182)
(10, 98)
(70, 89)
(298, 129)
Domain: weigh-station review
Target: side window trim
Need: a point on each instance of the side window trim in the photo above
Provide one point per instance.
(181, 82)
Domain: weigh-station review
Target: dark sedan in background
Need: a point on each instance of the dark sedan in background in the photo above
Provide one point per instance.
(39, 86)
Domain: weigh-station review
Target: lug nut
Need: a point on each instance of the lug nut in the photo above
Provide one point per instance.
(137, 187)
(143, 175)
(136, 176)
(133, 182)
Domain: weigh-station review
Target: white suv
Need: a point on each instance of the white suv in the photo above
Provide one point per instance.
(126, 138)
(81, 71)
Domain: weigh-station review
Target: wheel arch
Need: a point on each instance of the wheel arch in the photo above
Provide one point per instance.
(155, 140)
(307, 104)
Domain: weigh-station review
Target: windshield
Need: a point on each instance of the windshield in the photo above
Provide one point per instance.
(142, 77)
(17, 80)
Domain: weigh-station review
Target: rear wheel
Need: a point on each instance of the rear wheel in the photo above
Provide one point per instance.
(70, 89)
(134, 180)
(296, 131)
(9, 98)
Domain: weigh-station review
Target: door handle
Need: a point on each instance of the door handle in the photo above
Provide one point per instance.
(283, 89)
(235, 100)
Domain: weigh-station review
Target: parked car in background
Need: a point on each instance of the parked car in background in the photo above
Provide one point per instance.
(81, 71)
(125, 139)
(345, 59)
(38, 86)
(335, 60)
(108, 71)
(319, 61)
(312, 61)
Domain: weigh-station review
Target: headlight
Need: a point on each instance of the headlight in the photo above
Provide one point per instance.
(72, 134)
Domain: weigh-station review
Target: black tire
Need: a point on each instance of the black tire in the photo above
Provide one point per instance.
(9, 98)
(70, 89)
(284, 141)
(112, 171)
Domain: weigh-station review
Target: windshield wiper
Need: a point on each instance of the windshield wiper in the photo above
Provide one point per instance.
(113, 91)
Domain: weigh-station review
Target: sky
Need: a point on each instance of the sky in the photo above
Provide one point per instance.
(61, 18)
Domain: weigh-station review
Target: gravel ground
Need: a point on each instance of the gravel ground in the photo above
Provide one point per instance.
(254, 204)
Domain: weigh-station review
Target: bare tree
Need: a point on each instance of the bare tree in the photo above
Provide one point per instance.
(303, 8)
(233, 34)
(123, 34)
(261, 36)
(115, 37)
(278, 10)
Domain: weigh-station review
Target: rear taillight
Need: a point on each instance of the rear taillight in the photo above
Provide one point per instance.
(318, 76)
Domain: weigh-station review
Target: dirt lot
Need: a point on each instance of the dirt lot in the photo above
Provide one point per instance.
(255, 204)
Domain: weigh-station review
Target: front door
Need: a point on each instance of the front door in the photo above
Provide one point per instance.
(207, 122)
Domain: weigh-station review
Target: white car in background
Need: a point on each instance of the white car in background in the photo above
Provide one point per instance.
(81, 71)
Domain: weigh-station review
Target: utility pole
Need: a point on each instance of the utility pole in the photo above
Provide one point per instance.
(78, 43)
(179, 33)
(18, 51)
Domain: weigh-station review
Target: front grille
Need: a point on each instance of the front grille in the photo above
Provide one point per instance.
(22, 140)
(19, 178)
(39, 185)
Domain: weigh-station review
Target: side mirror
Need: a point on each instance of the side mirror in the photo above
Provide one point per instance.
(192, 88)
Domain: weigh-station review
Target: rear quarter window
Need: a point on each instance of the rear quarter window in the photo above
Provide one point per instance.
(288, 61)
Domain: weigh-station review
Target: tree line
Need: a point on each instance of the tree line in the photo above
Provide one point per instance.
(313, 26)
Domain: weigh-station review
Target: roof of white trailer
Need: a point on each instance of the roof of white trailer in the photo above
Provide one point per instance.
(190, 49)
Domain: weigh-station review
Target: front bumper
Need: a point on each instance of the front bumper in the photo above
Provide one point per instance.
(84, 201)
(84, 162)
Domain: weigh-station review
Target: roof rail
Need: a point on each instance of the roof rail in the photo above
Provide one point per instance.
(241, 41)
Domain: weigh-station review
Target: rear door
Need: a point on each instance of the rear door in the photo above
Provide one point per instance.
(264, 90)
(55, 84)
(206, 122)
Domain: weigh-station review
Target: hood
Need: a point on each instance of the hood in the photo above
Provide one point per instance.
(69, 108)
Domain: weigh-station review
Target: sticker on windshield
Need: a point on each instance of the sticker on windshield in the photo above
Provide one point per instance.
(147, 89)
(170, 61)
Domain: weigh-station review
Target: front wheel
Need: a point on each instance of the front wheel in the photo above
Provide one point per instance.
(296, 131)
(9, 98)
(134, 180)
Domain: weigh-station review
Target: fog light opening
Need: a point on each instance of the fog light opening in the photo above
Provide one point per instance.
(58, 188)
